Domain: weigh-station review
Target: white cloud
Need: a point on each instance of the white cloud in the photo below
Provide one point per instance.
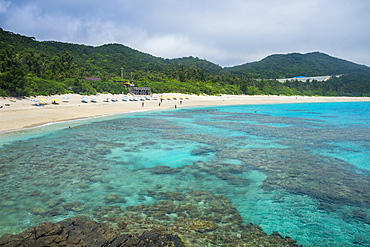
(224, 32)
(4, 6)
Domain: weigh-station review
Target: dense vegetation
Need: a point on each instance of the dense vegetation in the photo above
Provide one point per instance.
(295, 64)
(29, 67)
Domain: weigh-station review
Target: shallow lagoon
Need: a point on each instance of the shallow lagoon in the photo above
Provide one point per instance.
(299, 169)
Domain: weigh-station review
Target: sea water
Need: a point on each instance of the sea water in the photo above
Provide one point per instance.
(307, 166)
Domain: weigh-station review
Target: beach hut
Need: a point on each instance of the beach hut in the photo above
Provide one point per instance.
(140, 91)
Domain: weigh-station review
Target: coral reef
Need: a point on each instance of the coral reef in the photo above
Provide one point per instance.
(200, 218)
(327, 179)
(79, 232)
(197, 218)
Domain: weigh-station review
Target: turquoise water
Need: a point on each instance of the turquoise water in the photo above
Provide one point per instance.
(299, 169)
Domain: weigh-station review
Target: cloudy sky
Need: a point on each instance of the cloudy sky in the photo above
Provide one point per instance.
(225, 32)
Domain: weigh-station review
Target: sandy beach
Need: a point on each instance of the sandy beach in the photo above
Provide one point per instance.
(23, 113)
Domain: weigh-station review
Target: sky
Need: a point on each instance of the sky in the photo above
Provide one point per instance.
(225, 32)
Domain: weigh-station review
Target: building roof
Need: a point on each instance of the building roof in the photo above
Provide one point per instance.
(92, 78)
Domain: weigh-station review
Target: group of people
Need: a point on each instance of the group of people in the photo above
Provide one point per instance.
(160, 102)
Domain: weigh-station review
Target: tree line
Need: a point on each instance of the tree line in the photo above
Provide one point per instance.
(29, 67)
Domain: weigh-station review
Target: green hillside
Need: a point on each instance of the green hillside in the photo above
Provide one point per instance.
(30, 67)
(296, 64)
(106, 60)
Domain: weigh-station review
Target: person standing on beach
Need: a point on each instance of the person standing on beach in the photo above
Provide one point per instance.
(142, 104)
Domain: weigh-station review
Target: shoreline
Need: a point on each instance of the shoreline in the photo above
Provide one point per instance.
(18, 114)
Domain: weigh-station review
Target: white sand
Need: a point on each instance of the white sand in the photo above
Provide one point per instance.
(22, 113)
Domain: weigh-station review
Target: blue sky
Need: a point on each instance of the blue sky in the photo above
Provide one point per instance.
(224, 32)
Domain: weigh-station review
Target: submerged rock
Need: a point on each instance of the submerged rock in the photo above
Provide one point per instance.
(80, 232)
(149, 143)
(75, 206)
(115, 198)
(163, 170)
(39, 211)
(201, 225)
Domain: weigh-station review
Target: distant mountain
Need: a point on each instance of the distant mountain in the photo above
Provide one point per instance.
(296, 64)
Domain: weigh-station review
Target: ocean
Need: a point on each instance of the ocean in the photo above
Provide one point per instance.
(299, 169)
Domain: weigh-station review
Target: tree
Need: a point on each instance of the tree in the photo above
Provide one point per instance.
(252, 90)
(61, 66)
(12, 74)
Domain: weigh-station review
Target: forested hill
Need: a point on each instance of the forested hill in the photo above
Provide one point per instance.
(295, 64)
(30, 67)
(105, 60)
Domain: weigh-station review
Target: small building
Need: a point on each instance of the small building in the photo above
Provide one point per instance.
(305, 79)
(140, 90)
(92, 78)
